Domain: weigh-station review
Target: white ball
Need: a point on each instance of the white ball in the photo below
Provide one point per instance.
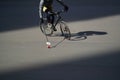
(48, 43)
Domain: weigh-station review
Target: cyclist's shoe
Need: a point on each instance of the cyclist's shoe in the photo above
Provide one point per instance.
(54, 29)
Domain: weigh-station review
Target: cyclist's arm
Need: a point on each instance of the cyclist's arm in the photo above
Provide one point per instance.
(65, 6)
(40, 8)
(61, 2)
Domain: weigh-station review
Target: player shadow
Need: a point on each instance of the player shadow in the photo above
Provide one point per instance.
(81, 35)
(78, 36)
(84, 34)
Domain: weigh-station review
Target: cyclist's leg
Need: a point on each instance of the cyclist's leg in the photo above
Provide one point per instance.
(50, 18)
(47, 16)
(52, 21)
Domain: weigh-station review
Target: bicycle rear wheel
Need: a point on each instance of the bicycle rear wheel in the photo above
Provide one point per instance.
(46, 28)
(65, 30)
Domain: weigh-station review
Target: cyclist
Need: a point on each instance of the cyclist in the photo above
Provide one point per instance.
(45, 6)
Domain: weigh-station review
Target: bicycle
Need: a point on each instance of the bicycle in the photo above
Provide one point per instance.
(47, 28)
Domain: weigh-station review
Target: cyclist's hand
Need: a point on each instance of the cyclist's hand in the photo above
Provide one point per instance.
(66, 8)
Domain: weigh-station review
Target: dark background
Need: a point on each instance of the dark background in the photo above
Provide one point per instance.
(20, 14)
(99, 67)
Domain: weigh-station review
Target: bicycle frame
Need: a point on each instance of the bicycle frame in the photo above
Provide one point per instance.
(58, 19)
(63, 27)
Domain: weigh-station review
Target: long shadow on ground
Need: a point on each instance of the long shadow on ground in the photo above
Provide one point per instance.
(84, 34)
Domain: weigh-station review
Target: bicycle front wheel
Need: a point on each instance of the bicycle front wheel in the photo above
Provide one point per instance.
(46, 29)
(65, 30)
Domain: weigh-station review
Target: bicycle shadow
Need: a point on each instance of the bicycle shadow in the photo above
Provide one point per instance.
(78, 36)
(81, 35)
(84, 34)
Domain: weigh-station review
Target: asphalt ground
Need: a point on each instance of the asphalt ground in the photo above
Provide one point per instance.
(24, 55)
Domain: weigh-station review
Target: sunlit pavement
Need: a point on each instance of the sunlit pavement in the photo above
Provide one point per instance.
(24, 48)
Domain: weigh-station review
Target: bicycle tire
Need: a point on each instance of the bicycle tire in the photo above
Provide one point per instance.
(65, 30)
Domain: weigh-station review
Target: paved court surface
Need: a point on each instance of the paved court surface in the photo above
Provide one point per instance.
(24, 55)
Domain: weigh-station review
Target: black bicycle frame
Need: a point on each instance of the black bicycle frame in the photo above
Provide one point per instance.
(59, 18)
